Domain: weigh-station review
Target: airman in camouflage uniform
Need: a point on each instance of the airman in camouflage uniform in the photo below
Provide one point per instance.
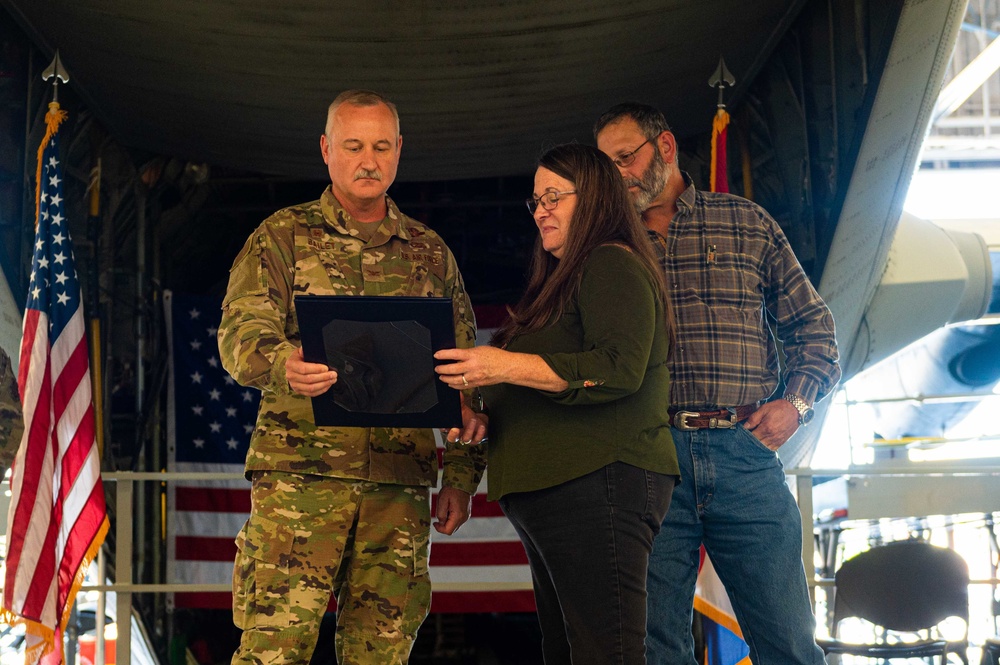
(345, 510)
(11, 419)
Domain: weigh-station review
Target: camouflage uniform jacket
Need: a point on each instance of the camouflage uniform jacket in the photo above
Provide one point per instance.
(308, 249)
(11, 420)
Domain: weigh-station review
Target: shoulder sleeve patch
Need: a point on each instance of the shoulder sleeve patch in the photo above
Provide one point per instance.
(248, 276)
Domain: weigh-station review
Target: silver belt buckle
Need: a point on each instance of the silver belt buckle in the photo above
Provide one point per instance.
(680, 420)
(725, 423)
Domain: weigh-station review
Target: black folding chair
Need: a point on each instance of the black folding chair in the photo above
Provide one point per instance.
(906, 589)
(991, 652)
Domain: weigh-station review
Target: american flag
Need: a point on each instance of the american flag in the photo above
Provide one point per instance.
(482, 568)
(57, 518)
(210, 418)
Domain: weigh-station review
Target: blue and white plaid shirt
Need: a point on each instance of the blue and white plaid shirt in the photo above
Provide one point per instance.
(728, 268)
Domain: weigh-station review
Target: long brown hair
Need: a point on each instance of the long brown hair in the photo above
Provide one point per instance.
(604, 215)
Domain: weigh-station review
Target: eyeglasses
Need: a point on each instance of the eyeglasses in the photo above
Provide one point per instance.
(548, 200)
(626, 158)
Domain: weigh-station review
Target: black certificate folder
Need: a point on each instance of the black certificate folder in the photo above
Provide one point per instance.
(382, 348)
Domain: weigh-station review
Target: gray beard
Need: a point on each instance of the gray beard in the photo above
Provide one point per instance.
(650, 184)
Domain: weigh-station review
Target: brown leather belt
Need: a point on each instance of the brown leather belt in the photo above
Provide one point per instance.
(718, 419)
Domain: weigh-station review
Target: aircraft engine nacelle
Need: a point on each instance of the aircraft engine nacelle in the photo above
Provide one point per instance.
(933, 277)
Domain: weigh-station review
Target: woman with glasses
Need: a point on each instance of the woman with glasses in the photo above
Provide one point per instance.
(576, 383)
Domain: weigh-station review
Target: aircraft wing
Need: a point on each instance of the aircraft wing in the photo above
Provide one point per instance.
(901, 114)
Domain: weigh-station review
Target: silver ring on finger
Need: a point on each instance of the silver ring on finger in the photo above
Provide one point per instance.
(464, 381)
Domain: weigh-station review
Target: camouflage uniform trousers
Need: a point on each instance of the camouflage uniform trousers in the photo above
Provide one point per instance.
(312, 536)
(11, 419)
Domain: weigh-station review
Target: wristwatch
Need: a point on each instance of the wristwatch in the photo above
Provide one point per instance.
(806, 412)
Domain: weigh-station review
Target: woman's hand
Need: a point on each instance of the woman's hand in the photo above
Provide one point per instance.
(488, 365)
(474, 368)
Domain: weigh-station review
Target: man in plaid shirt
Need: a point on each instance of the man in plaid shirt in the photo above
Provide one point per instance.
(729, 269)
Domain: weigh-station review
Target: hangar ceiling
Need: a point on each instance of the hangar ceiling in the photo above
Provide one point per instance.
(481, 86)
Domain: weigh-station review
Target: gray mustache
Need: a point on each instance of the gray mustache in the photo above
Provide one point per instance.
(374, 174)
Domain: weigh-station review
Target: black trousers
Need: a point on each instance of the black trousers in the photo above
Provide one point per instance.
(588, 543)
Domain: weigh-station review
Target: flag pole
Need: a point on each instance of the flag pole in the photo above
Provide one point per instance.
(720, 127)
(53, 119)
(96, 348)
(721, 631)
(102, 601)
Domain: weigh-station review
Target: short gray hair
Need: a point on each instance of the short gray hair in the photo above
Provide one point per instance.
(651, 121)
(359, 98)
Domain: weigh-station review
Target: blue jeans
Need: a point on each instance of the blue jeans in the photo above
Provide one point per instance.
(733, 498)
(588, 542)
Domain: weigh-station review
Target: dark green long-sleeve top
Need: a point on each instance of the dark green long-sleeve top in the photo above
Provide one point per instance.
(611, 346)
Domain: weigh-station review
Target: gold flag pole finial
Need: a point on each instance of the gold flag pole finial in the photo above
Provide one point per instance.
(53, 119)
(58, 73)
